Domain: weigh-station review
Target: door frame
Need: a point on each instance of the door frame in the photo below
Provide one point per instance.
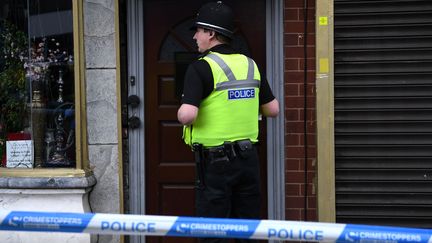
(324, 53)
(275, 126)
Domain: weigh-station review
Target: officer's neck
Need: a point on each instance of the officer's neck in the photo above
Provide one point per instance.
(214, 42)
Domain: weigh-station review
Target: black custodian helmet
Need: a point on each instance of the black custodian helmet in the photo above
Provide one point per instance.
(216, 16)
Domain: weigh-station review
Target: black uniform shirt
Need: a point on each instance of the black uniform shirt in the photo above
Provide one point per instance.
(199, 83)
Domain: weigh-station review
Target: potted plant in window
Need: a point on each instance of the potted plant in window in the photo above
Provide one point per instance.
(13, 108)
(12, 77)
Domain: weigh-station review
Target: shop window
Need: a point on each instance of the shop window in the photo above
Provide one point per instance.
(40, 85)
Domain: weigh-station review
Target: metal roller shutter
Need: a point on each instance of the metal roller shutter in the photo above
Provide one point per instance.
(383, 112)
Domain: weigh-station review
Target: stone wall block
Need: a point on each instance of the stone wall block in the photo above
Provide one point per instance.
(105, 196)
(99, 34)
(101, 106)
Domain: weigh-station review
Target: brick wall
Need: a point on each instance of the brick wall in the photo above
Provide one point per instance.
(296, 195)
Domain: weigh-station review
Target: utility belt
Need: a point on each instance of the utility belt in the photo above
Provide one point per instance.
(229, 149)
(224, 153)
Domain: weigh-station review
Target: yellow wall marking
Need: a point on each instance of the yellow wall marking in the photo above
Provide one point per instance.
(323, 21)
(323, 65)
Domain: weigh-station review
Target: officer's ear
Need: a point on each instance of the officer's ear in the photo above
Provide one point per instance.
(212, 33)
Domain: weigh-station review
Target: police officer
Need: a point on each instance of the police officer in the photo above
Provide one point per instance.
(223, 95)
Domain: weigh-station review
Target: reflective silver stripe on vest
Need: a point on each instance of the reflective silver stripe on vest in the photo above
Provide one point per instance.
(232, 82)
(237, 84)
(251, 69)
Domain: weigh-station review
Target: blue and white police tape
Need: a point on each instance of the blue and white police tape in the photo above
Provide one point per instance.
(206, 227)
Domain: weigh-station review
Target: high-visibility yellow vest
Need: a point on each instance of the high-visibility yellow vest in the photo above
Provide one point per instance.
(230, 112)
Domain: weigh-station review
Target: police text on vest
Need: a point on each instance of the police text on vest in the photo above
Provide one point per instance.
(234, 94)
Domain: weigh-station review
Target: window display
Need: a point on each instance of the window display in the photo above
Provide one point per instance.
(37, 112)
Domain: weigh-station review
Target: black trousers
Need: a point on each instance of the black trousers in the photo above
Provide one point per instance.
(231, 189)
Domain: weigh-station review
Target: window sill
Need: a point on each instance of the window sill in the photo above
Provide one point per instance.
(46, 178)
